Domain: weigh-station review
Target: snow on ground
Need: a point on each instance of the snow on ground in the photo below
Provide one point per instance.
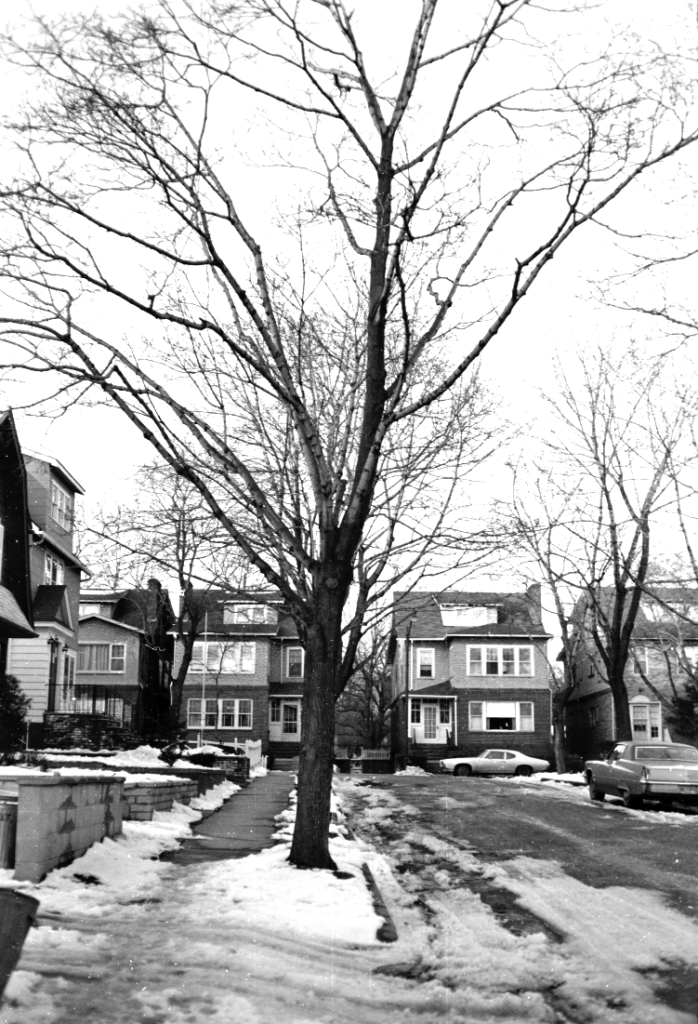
(127, 939)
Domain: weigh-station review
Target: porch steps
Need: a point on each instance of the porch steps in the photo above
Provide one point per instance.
(285, 764)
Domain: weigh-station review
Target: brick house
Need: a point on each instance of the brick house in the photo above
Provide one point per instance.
(45, 664)
(663, 658)
(15, 589)
(469, 671)
(246, 677)
(124, 664)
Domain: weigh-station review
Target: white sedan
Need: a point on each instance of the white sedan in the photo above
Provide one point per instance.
(495, 762)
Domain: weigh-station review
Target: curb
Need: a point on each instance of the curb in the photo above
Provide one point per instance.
(387, 931)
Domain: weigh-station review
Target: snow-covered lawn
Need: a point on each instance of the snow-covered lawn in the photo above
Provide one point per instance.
(127, 939)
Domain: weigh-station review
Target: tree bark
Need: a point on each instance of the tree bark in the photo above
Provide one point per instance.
(323, 659)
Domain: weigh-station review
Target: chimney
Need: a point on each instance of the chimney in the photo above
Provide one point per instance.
(535, 606)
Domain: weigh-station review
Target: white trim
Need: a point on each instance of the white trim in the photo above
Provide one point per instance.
(112, 622)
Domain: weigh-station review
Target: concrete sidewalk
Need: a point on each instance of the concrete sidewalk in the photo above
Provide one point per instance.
(243, 825)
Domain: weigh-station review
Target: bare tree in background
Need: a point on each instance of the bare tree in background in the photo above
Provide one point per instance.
(583, 512)
(298, 351)
(361, 714)
(167, 529)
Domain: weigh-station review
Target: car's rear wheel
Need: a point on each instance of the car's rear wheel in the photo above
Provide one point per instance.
(462, 769)
(596, 794)
(632, 800)
(524, 769)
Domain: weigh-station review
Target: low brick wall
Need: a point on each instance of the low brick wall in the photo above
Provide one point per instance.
(141, 799)
(205, 778)
(59, 818)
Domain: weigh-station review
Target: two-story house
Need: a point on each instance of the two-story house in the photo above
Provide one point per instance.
(15, 589)
(246, 677)
(663, 658)
(45, 664)
(469, 671)
(124, 664)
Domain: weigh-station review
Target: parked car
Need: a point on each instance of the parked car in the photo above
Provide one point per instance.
(640, 771)
(495, 762)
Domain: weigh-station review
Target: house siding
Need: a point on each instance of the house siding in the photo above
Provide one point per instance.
(537, 743)
(93, 632)
(28, 660)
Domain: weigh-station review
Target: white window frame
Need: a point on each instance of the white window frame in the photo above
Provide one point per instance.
(112, 658)
(481, 716)
(425, 657)
(648, 707)
(287, 665)
(219, 658)
(249, 614)
(240, 709)
(478, 653)
(194, 713)
(51, 563)
(61, 506)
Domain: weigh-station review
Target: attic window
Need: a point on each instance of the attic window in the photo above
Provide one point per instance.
(467, 615)
(247, 614)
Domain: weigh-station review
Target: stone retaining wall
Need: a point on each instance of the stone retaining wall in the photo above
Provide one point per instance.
(141, 799)
(59, 818)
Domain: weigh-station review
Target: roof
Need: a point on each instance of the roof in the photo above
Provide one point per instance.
(110, 622)
(57, 467)
(50, 604)
(13, 621)
(213, 603)
(65, 553)
(417, 614)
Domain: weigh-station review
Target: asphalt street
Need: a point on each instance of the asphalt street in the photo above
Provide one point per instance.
(599, 844)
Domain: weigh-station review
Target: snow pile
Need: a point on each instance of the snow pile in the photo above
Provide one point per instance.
(142, 757)
(412, 770)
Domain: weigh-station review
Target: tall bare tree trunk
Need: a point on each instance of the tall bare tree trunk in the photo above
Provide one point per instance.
(323, 659)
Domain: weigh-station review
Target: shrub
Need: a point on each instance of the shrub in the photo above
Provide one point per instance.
(13, 714)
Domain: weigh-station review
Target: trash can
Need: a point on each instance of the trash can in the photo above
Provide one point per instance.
(17, 914)
(8, 832)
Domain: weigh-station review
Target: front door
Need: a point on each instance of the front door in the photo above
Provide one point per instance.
(284, 720)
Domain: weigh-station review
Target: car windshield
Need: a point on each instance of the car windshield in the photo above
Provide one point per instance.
(666, 754)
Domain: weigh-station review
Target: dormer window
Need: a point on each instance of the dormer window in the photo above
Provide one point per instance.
(61, 506)
(249, 614)
(467, 615)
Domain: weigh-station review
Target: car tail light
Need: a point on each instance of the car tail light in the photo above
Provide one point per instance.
(645, 774)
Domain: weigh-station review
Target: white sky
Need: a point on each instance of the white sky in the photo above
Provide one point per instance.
(101, 449)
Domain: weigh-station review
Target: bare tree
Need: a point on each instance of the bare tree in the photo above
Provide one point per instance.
(167, 528)
(606, 475)
(301, 370)
(362, 708)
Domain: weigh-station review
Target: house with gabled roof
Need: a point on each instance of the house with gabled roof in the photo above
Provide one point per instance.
(662, 662)
(245, 681)
(45, 664)
(469, 671)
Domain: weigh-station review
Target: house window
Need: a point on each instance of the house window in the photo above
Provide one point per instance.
(54, 570)
(295, 662)
(444, 712)
(500, 716)
(61, 506)
(275, 710)
(217, 658)
(247, 614)
(90, 609)
(194, 716)
(425, 663)
(290, 719)
(68, 677)
(416, 712)
(638, 656)
(591, 669)
(467, 615)
(101, 657)
(645, 720)
(593, 716)
(500, 661)
(235, 714)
